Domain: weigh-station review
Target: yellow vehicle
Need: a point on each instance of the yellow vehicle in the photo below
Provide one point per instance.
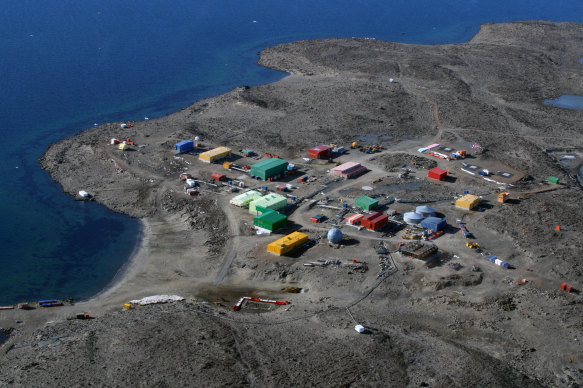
(472, 245)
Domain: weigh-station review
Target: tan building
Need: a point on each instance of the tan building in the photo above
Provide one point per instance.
(215, 154)
(468, 201)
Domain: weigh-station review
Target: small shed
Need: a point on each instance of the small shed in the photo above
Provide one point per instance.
(218, 177)
(437, 173)
(270, 220)
(503, 197)
(553, 179)
(183, 146)
(318, 218)
(468, 201)
(375, 221)
(434, 223)
(366, 203)
(320, 152)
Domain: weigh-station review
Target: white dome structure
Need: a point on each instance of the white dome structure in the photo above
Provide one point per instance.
(335, 236)
(412, 218)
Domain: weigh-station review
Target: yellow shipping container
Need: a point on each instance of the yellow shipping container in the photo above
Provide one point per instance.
(287, 243)
(214, 154)
(468, 201)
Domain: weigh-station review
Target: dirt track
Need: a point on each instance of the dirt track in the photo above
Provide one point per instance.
(427, 325)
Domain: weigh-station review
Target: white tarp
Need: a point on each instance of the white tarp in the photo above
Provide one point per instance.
(157, 299)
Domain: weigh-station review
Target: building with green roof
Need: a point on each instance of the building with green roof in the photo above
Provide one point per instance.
(270, 220)
(242, 200)
(366, 203)
(270, 201)
(269, 168)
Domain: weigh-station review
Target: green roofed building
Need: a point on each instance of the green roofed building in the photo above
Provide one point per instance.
(554, 179)
(269, 168)
(271, 201)
(366, 203)
(242, 200)
(270, 220)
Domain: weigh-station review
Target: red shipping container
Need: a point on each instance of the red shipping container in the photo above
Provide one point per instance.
(437, 173)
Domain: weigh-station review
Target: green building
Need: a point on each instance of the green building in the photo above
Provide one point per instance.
(271, 201)
(554, 179)
(242, 200)
(366, 203)
(270, 220)
(269, 168)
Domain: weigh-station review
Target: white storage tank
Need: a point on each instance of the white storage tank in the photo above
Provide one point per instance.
(412, 218)
(425, 211)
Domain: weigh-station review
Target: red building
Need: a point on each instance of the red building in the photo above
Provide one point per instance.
(437, 173)
(375, 221)
(218, 176)
(320, 152)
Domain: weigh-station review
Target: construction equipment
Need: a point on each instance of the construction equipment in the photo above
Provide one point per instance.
(353, 145)
(472, 245)
(408, 235)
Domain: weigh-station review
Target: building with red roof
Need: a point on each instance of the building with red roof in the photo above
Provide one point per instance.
(320, 152)
(437, 173)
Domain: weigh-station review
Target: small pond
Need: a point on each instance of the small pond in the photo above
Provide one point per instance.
(566, 101)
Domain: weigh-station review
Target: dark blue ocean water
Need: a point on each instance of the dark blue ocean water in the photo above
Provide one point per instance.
(69, 64)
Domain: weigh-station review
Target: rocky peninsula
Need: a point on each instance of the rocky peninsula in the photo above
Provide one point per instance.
(460, 321)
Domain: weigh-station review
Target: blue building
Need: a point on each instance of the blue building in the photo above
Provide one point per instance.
(183, 146)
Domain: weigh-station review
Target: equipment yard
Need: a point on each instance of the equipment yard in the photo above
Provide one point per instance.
(452, 276)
